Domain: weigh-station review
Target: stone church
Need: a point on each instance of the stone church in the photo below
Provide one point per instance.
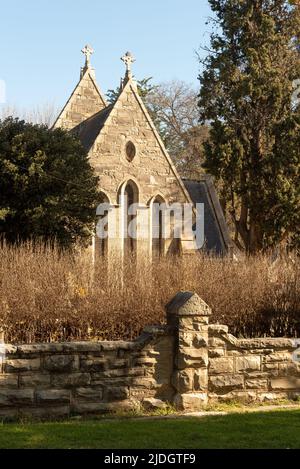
(133, 166)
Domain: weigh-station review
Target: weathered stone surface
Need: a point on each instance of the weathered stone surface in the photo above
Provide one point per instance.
(221, 365)
(192, 358)
(200, 380)
(66, 380)
(53, 396)
(256, 384)
(289, 369)
(117, 393)
(8, 380)
(188, 304)
(93, 364)
(183, 380)
(226, 382)
(287, 383)
(216, 329)
(16, 397)
(270, 396)
(190, 402)
(267, 343)
(279, 357)
(239, 396)
(91, 393)
(216, 352)
(34, 379)
(248, 363)
(150, 403)
(26, 364)
(61, 363)
(192, 339)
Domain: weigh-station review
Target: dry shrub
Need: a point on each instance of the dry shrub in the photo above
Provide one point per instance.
(48, 296)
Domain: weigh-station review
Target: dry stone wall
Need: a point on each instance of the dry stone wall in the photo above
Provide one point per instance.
(251, 369)
(187, 363)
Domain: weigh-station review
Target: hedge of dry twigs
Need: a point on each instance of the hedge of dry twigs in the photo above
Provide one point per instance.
(47, 296)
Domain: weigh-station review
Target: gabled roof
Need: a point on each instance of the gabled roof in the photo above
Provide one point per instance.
(217, 238)
(105, 117)
(89, 129)
(85, 100)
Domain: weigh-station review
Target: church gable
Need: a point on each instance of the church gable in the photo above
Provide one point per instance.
(128, 146)
(86, 99)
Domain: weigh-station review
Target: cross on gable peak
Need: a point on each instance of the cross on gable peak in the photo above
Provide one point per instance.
(87, 51)
(128, 60)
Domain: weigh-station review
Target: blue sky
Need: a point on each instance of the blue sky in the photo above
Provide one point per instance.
(40, 43)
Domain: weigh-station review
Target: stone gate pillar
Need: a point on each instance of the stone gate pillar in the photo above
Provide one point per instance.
(189, 315)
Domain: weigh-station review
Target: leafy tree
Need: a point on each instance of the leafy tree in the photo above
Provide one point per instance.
(173, 106)
(144, 88)
(47, 188)
(246, 95)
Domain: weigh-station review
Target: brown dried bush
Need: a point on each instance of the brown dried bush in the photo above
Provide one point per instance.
(48, 296)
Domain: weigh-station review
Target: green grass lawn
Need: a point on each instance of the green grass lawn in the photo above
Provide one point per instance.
(278, 429)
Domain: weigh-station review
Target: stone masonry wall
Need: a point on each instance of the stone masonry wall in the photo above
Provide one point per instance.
(43, 380)
(251, 369)
(187, 363)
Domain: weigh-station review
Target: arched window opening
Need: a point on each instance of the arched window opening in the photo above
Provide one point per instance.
(101, 237)
(129, 195)
(158, 236)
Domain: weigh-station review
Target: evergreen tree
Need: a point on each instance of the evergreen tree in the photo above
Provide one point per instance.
(246, 94)
(48, 190)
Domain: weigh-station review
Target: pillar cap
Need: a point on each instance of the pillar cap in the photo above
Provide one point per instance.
(187, 303)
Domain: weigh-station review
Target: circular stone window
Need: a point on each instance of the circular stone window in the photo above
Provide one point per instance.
(130, 151)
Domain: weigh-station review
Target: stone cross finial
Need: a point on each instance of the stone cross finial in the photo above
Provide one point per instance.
(128, 60)
(87, 51)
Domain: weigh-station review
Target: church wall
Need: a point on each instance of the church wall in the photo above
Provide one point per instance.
(149, 168)
(84, 103)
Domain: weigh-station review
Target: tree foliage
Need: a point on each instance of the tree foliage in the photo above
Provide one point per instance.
(48, 190)
(246, 94)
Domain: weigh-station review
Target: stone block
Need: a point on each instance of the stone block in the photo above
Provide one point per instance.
(94, 393)
(115, 393)
(200, 380)
(16, 397)
(93, 364)
(192, 339)
(69, 380)
(17, 365)
(216, 352)
(248, 363)
(34, 379)
(221, 365)
(240, 396)
(61, 363)
(9, 381)
(53, 396)
(270, 396)
(45, 413)
(183, 380)
(190, 402)
(287, 383)
(192, 358)
(279, 356)
(225, 383)
(256, 384)
(187, 304)
(289, 369)
(151, 404)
